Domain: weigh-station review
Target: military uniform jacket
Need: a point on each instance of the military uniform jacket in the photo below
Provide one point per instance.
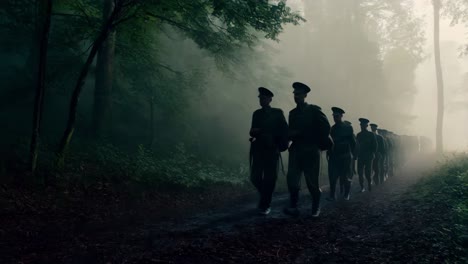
(273, 129)
(381, 145)
(389, 144)
(343, 139)
(308, 125)
(367, 145)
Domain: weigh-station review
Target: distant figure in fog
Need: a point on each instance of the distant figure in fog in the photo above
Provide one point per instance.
(340, 156)
(309, 132)
(269, 136)
(367, 147)
(386, 155)
(379, 155)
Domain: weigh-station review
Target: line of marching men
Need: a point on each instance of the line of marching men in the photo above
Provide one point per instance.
(374, 152)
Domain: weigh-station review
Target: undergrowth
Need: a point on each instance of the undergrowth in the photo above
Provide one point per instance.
(448, 184)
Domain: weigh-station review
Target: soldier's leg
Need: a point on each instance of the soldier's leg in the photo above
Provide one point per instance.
(382, 168)
(333, 169)
(256, 171)
(376, 169)
(294, 177)
(269, 179)
(347, 175)
(342, 186)
(311, 173)
(360, 171)
(390, 165)
(368, 172)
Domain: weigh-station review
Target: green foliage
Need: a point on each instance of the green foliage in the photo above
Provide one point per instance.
(221, 25)
(449, 185)
(144, 169)
(181, 168)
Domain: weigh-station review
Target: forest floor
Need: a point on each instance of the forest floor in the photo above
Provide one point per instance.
(388, 225)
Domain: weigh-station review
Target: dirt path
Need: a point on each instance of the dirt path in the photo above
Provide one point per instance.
(384, 226)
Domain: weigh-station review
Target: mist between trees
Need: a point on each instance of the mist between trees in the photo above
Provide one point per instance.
(169, 93)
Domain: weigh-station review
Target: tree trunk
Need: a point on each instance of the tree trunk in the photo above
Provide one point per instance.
(440, 79)
(68, 133)
(44, 18)
(104, 70)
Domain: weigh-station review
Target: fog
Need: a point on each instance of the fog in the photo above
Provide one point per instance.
(422, 105)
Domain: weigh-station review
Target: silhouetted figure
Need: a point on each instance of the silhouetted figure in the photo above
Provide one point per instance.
(379, 155)
(367, 147)
(386, 156)
(392, 151)
(269, 136)
(309, 132)
(340, 156)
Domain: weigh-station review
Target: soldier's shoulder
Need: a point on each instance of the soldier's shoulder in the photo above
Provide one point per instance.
(277, 110)
(257, 111)
(314, 107)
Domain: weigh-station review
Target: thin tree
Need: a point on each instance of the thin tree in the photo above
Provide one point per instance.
(104, 72)
(108, 26)
(43, 22)
(440, 78)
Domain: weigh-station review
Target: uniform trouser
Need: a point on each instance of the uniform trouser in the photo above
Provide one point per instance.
(263, 175)
(391, 165)
(307, 162)
(365, 168)
(384, 168)
(339, 167)
(377, 168)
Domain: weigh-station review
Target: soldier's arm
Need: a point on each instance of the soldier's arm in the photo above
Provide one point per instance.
(374, 143)
(283, 131)
(292, 131)
(254, 128)
(323, 124)
(385, 145)
(352, 140)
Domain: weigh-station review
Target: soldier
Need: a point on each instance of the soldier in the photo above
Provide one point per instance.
(391, 153)
(387, 154)
(367, 147)
(309, 132)
(339, 157)
(269, 136)
(353, 160)
(378, 159)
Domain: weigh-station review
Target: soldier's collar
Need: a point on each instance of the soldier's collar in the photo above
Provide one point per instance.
(267, 108)
(302, 106)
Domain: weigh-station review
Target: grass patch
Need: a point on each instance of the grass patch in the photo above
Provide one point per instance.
(448, 185)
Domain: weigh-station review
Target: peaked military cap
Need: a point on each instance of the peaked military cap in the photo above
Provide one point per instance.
(364, 121)
(337, 110)
(374, 125)
(265, 92)
(300, 88)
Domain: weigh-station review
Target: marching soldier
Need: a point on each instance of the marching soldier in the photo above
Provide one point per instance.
(340, 156)
(386, 157)
(367, 147)
(379, 155)
(309, 132)
(269, 136)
